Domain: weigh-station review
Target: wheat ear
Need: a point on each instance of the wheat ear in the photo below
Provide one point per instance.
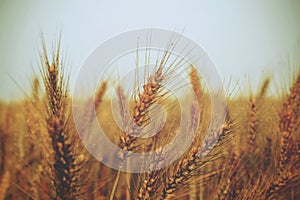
(144, 102)
(196, 160)
(281, 182)
(56, 86)
(288, 122)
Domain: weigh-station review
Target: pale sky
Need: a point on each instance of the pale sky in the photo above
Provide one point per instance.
(243, 38)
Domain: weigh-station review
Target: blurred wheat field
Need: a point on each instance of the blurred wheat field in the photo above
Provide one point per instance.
(253, 155)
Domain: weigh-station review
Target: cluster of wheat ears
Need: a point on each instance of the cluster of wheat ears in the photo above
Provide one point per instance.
(254, 154)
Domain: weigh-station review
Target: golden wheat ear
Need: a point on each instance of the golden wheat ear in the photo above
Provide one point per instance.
(286, 179)
(197, 88)
(148, 95)
(64, 166)
(145, 100)
(197, 158)
(88, 115)
(254, 114)
(142, 105)
(288, 124)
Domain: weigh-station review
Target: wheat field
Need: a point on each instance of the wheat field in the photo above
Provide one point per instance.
(254, 154)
